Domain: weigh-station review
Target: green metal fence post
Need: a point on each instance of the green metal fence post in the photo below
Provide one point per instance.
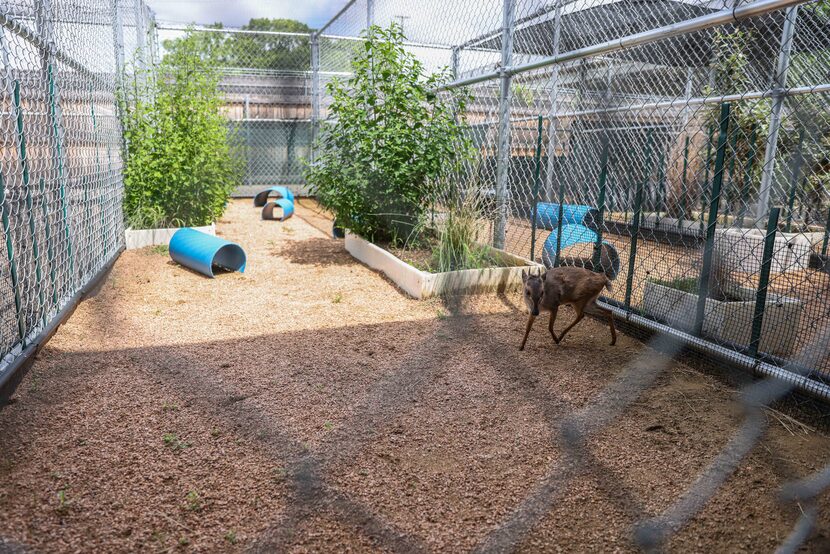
(635, 223)
(795, 173)
(826, 234)
(24, 165)
(684, 186)
(763, 281)
(50, 252)
(710, 130)
(603, 177)
(53, 113)
(104, 237)
(750, 162)
(714, 206)
(558, 259)
(6, 220)
(536, 176)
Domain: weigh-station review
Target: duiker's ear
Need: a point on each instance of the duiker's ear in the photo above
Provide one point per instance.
(524, 276)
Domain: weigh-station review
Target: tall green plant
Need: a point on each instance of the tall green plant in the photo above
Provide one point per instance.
(181, 165)
(390, 140)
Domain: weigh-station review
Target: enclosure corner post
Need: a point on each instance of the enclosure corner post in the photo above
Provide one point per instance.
(456, 53)
(714, 206)
(768, 167)
(503, 160)
(763, 281)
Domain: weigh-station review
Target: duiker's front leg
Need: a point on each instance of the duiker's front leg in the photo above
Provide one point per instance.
(530, 321)
(553, 312)
(580, 313)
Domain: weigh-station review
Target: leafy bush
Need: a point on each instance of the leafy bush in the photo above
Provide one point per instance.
(181, 165)
(392, 138)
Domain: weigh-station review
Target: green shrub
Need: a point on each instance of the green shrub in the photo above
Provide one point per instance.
(181, 165)
(390, 140)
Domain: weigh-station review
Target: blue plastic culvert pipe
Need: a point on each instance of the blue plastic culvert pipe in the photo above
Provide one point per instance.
(547, 215)
(202, 252)
(282, 192)
(286, 205)
(579, 234)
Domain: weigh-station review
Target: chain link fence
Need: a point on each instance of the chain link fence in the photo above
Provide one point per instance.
(60, 162)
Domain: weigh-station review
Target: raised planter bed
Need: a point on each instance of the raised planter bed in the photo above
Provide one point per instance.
(743, 249)
(423, 284)
(729, 320)
(139, 238)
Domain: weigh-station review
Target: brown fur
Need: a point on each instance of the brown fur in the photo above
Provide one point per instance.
(575, 286)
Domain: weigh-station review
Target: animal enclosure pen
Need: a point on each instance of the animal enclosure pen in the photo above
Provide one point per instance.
(691, 138)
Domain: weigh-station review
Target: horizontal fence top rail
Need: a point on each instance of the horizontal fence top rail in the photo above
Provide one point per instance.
(722, 17)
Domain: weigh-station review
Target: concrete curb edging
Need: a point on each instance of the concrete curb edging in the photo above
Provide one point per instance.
(139, 238)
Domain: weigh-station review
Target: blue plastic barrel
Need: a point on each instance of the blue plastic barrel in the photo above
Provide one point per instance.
(547, 215)
(284, 204)
(281, 192)
(201, 252)
(579, 234)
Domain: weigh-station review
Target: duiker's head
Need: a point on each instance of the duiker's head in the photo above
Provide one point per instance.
(533, 290)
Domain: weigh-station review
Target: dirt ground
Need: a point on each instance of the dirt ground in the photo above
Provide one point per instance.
(308, 405)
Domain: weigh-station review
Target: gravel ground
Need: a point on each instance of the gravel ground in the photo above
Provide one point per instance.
(308, 405)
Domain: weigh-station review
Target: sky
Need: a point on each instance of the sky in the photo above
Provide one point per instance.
(234, 13)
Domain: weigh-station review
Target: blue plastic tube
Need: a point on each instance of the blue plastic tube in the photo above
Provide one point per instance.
(202, 252)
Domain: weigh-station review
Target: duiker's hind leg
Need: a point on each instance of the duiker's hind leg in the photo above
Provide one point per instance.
(596, 309)
(580, 313)
(530, 320)
(551, 322)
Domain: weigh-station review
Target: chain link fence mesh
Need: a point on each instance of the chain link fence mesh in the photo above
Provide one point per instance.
(60, 162)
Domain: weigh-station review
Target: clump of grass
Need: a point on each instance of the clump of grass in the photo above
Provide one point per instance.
(169, 407)
(174, 442)
(193, 501)
(230, 536)
(160, 249)
(63, 501)
(337, 299)
(457, 246)
(684, 284)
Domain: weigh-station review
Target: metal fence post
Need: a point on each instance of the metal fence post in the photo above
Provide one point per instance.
(118, 46)
(795, 176)
(768, 169)
(826, 234)
(603, 177)
(750, 163)
(554, 99)
(714, 205)
(763, 281)
(503, 160)
(455, 57)
(536, 176)
(315, 91)
(635, 223)
(24, 167)
(370, 13)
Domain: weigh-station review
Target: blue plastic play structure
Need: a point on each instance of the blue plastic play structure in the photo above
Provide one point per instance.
(202, 252)
(577, 223)
(547, 215)
(285, 204)
(282, 192)
(284, 201)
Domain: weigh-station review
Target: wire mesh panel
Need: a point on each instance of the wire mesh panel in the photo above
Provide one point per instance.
(61, 157)
(265, 81)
